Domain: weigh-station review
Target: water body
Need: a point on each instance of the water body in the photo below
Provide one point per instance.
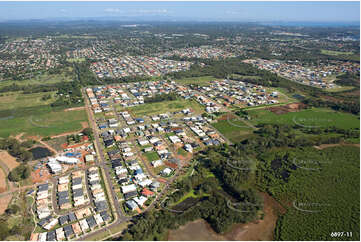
(40, 152)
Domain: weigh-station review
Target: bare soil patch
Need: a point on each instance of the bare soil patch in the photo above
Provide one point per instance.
(227, 116)
(3, 178)
(8, 160)
(40, 175)
(74, 109)
(292, 107)
(4, 202)
(200, 230)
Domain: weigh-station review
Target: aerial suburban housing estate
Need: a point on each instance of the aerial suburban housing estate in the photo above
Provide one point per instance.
(180, 121)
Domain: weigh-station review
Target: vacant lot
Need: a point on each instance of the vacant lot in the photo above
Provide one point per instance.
(4, 202)
(319, 117)
(164, 107)
(38, 79)
(202, 81)
(3, 183)
(151, 156)
(9, 160)
(14, 100)
(333, 52)
(232, 128)
(40, 120)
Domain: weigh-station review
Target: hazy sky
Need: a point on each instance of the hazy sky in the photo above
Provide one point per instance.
(228, 11)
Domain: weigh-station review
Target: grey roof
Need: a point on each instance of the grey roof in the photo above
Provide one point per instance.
(101, 205)
(45, 220)
(63, 194)
(63, 219)
(68, 230)
(63, 201)
(50, 236)
(43, 187)
(130, 194)
(72, 217)
(93, 182)
(76, 181)
(78, 192)
(105, 216)
(91, 222)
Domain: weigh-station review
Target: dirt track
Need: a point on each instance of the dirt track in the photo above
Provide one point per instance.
(74, 109)
(324, 146)
(83, 126)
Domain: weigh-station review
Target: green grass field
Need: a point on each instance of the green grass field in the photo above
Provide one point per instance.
(242, 77)
(309, 117)
(333, 52)
(348, 55)
(232, 129)
(15, 100)
(38, 79)
(202, 81)
(166, 106)
(151, 156)
(76, 60)
(28, 113)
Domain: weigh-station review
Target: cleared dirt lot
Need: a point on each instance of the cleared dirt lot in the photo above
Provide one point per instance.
(3, 186)
(293, 107)
(200, 230)
(7, 159)
(4, 202)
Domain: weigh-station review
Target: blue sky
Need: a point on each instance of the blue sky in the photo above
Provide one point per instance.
(217, 11)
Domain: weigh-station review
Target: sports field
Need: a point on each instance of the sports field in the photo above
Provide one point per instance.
(317, 117)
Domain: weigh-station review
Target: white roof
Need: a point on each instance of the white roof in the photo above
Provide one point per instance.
(129, 188)
(140, 200)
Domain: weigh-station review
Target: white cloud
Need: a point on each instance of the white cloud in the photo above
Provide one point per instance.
(151, 11)
(231, 12)
(112, 10)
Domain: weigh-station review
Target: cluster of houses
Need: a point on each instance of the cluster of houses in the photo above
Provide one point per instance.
(55, 164)
(130, 176)
(203, 52)
(97, 191)
(205, 133)
(28, 56)
(123, 66)
(73, 155)
(98, 49)
(72, 225)
(317, 76)
(43, 206)
(76, 223)
(228, 92)
(77, 191)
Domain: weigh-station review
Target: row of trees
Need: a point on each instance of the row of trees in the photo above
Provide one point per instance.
(161, 98)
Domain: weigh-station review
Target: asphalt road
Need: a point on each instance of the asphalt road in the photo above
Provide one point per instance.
(101, 162)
